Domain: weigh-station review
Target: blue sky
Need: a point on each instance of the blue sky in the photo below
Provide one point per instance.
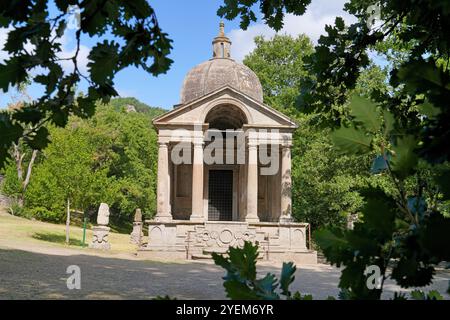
(192, 25)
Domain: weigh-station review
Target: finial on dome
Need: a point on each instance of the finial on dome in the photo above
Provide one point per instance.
(221, 29)
(221, 44)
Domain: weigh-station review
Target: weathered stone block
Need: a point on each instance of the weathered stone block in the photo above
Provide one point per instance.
(100, 238)
(136, 234)
(103, 215)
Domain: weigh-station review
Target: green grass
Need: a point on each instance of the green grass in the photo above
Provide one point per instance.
(17, 232)
(56, 238)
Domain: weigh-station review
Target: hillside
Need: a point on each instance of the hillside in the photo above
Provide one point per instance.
(141, 107)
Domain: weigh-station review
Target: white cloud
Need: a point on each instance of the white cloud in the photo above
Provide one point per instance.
(67, 46)
(68, 52)
(312, 23)
(3, 37)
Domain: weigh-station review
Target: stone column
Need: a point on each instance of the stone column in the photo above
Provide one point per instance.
(197, 183)
(163, 192)
(252, 183)
(286, 184)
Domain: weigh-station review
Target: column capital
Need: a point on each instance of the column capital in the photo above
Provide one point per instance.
(163, 144)
(198, 143)
(286, 145)
(252, 143)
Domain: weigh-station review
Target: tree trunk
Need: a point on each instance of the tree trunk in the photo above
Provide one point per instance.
(18, 157)
(67, 221)
(29, 169)
(25, 182)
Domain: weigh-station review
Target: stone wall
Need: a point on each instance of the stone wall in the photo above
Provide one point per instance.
(188, 240)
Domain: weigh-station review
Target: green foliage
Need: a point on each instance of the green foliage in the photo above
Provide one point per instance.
(109, 158)
(365, 112)
(324, 182)
(279, 63)
(16, 209)
(67, 173)
(401, 125)
(273, 12)
(42, 213)
(431, 295)
(405, 159)
(121, 103)
(11, 185)
(351, 140)
(241, 282)
(395, 224)
(137, 41)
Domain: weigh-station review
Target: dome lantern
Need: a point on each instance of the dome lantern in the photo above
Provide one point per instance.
(220, 71)
(221, 44)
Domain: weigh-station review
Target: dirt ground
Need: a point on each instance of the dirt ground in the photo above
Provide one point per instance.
(34, 267)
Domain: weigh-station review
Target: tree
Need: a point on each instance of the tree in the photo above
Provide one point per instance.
(110, 158)
(137, 40)
(325, 184)
(129, 141)
(279, 63)
(407, 127)
(123, 103)
(69, 175)
(22, 155)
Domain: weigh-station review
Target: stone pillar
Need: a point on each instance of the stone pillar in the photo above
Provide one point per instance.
(136, 234)
(252, 183)
(197, 183)
(286, 184)
(163, 192)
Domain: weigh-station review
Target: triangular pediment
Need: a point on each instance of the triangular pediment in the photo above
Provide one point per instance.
(258, 114)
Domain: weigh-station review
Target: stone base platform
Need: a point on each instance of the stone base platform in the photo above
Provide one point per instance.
(183, 239)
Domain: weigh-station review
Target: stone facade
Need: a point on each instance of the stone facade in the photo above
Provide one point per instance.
(205, 206)
(188, 240)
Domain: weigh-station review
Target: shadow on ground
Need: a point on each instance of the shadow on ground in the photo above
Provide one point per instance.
(55, 238)
(28, 275)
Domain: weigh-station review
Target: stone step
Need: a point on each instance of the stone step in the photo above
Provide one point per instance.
(206, 254)
(217, 250)
(201, 257)
(321, 258)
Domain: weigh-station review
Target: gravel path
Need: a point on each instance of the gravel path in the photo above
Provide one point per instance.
(32, 275)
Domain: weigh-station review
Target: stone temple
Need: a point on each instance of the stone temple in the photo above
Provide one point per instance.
(224, 169)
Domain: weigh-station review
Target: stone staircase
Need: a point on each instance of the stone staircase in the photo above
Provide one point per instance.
(207, 254)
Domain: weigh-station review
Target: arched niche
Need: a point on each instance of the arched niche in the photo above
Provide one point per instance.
(226, 116)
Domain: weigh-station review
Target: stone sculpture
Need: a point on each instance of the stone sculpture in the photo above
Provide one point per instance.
(136, 234)
(100, 237)
(103, 215)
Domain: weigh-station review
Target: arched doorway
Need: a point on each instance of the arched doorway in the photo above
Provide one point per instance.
(223, 178)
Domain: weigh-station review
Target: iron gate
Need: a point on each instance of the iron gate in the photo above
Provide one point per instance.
(220, 202)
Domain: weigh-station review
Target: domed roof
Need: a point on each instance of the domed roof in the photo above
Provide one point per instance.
(221, 70)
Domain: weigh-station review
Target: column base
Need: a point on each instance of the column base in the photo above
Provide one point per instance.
(252, 219)
(197, 219)
(286, 219)
(163, 218)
